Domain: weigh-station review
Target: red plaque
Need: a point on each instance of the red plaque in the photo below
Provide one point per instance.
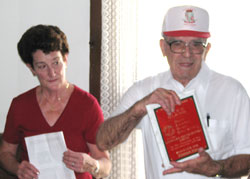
(182, 131)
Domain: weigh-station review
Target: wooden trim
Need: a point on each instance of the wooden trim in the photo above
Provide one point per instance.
(95, 48)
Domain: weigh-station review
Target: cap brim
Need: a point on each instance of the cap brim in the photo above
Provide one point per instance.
(187, 33)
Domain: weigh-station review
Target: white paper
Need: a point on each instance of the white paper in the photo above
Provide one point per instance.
(45, 152)
(158, 136)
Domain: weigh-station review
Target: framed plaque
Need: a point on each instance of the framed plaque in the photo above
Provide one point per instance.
(181, 134)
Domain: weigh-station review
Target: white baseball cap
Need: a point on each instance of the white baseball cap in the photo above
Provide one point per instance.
(186, 21)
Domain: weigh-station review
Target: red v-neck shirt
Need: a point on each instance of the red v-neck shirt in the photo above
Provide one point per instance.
(79, 121)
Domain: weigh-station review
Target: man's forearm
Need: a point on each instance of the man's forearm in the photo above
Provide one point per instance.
(117, 129)
(235, 166)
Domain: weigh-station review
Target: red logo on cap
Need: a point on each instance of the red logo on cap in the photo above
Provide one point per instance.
(189, 15)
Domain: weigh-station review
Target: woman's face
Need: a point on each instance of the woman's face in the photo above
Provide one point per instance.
(50, 69)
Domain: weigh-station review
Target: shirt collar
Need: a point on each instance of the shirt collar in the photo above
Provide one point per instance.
(200, 81)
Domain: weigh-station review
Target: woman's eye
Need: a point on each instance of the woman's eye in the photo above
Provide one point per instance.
(56, 63)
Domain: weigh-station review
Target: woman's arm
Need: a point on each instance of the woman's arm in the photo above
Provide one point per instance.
(9, 162)
(8, 156)
(98, 163)
(102, 157)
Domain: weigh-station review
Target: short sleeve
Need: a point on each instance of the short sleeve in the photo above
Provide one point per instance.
(11, 133)
(241, 122)
(94, 121)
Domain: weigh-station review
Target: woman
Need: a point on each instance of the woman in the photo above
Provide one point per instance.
(54, 105)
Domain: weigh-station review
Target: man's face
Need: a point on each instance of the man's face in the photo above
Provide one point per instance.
(184, 65)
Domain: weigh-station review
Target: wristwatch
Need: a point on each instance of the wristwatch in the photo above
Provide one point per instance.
(97, 167)
(220, 173)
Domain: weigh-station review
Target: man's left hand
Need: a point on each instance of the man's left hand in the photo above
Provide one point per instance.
(203, 165)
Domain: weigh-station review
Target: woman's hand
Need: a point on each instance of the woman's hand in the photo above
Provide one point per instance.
(27, 171)
(79, 162)
(23, 170)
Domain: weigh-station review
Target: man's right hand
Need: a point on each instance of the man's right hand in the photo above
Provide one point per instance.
(116, 129)
(168, 99)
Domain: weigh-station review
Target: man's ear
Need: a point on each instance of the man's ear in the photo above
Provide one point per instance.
(163, 47)
(31, 69)
(206, 51)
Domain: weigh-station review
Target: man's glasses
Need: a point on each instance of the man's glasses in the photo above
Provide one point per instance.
(178, 46)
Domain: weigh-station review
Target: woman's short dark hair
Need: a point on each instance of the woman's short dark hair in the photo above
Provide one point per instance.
(47, 38)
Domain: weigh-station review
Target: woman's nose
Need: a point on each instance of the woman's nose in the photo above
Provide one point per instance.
(52, 72)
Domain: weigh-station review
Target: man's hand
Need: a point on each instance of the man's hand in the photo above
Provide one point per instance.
(168, 99)
(203, 165)
(116, 129)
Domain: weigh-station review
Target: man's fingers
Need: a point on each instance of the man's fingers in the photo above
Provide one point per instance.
(202, 152)
(171, 170)
(176, 97)
(168, 99)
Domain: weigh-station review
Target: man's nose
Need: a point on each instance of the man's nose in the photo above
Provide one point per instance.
(186, 52)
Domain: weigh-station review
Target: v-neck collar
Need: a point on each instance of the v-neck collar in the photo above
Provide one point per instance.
(60, 116)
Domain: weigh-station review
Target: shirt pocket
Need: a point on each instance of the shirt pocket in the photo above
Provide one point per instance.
(220, 136)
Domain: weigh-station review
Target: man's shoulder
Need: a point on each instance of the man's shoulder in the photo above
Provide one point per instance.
(140, 89)
(222, 77)
(225, 81)
(155, 80)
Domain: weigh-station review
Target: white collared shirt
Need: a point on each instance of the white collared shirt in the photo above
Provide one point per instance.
(222, 97)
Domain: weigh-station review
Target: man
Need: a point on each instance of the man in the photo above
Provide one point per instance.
(185, 32)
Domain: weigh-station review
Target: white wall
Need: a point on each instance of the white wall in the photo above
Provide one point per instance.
(16, 16)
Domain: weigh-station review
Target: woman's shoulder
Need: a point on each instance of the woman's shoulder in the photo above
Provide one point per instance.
(79, 93)
(27, 98)
(26, 95)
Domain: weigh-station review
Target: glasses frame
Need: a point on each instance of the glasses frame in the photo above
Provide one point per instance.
(187, 44)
